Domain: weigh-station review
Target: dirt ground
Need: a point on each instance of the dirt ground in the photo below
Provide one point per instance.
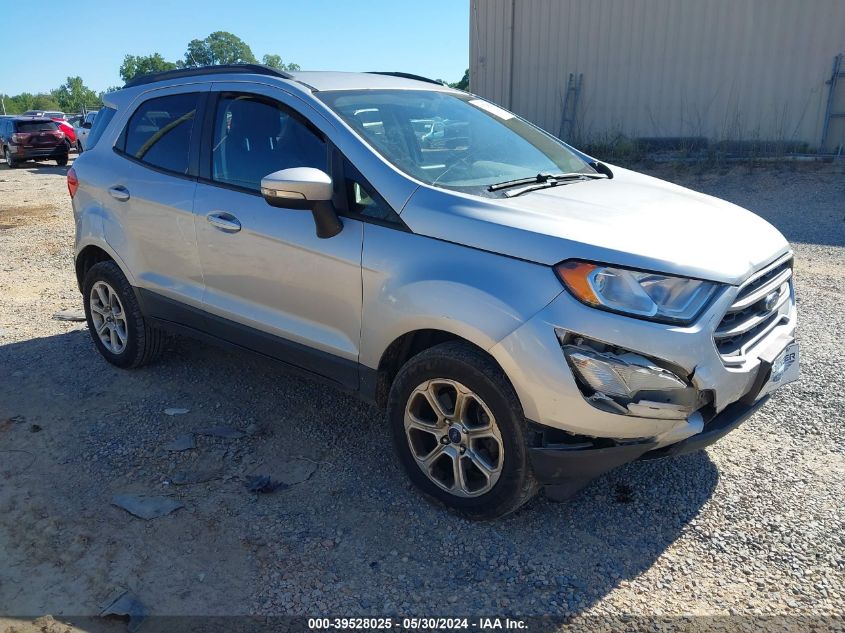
(751, 526)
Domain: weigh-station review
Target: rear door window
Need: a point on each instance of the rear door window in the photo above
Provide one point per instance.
(160, 130)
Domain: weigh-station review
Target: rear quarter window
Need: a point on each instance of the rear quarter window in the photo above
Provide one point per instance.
(100, 125)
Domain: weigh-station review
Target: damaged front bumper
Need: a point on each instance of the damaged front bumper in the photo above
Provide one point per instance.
(565, 468)
(605, 389)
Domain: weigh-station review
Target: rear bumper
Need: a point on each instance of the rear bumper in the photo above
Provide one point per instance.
(565, 469)
(28, 153)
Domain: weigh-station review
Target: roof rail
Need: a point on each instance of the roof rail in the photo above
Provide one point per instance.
(406, 76)
(179, 73)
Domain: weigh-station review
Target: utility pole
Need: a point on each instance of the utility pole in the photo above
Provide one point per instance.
(3, 103)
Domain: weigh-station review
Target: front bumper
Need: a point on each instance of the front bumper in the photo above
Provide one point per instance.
(578, 440)
(566, 469)
(533, 360)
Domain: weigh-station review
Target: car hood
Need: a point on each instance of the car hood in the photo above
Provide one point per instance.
(630, 220)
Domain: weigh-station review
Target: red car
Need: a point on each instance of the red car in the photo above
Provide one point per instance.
(26, 138)
(67, 128)
(61, 120)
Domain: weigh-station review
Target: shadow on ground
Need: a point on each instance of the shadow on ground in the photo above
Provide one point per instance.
(47, 167)
(352, 538)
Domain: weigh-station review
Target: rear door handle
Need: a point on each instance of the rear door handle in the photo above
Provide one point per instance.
(119, 192)
(224, 221)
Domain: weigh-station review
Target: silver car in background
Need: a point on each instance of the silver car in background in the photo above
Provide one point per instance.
(527, 316)
(83, 129)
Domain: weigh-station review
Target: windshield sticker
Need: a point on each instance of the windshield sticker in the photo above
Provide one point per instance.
(491, 109)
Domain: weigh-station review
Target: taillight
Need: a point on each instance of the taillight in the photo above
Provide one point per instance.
(19, 137)
(72, 182)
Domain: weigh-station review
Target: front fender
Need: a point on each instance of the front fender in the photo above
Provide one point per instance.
(411, 282)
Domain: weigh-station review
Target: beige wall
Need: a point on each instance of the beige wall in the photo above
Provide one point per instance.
(724, 69)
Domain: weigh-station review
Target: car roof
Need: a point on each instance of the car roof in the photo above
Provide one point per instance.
(310, 80)
(33, 118)
(323, 80)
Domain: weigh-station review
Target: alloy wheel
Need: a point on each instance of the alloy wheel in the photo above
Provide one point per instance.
(108, 317)
(454, 437)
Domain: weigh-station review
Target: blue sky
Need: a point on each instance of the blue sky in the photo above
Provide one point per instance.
(430, 38)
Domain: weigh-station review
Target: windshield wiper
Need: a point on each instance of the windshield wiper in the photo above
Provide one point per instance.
(543, 179)
(552, 181)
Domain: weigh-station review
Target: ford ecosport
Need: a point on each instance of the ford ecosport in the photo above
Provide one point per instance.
(526, 315)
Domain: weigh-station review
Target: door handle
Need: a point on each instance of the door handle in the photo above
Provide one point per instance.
(224, 221)
(119, 192)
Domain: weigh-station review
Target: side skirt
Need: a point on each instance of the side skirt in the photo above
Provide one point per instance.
(297, 358)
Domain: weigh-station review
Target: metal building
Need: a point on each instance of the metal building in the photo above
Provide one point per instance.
(592, 70)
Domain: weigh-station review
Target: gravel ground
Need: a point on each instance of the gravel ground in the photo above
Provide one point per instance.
(752, 525)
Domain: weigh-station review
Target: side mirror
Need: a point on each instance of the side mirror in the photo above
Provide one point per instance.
(304, 188)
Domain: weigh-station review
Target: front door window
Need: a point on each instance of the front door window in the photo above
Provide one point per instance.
(254, 137)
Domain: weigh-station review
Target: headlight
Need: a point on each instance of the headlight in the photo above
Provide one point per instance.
(637, 293)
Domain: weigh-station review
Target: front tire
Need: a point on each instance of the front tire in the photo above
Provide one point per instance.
(119, 330)
(459, 431)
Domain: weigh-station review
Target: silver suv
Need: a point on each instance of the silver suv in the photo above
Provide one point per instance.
(527, 316)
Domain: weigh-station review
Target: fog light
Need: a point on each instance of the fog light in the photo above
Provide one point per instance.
(620, 375)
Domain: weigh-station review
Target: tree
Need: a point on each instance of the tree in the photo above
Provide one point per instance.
(44, 102)
(275, 61)
(220, 47)
(74, 95)
(108, 90)
(18, 104)
(463, 84)
(134, 65)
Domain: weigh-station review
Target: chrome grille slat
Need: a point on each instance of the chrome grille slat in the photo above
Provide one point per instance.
(755, 296)
(749, 323)
(735, 358)
(747, 320)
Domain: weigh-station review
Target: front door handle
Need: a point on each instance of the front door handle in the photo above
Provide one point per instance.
(224, 221)
(119, 192)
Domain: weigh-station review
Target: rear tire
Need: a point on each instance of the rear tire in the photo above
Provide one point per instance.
(79, 147)
(119, 330)
(452, 410)
(61, 161)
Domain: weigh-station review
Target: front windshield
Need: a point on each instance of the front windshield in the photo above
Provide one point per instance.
(451, 140)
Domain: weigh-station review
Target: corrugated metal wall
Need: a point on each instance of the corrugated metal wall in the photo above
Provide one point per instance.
(723, 69)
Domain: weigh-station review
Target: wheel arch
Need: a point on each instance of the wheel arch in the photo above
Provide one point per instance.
(92, 254)
(402, 349)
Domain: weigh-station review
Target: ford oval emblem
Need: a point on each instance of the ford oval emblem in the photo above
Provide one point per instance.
(770, 300)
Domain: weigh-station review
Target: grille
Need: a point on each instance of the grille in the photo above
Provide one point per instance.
(756, 310)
